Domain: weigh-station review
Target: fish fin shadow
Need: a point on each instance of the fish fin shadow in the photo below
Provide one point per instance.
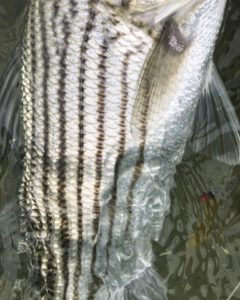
(216, 129)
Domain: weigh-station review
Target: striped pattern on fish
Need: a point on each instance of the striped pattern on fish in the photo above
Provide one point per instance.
(80, 70)
(108, 99)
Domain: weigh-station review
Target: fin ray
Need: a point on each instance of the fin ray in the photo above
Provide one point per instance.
(216, 129)
(155, 78)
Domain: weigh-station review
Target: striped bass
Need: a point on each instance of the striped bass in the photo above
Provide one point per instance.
(109, 94)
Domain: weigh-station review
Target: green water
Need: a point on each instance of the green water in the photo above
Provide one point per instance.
(198, 254)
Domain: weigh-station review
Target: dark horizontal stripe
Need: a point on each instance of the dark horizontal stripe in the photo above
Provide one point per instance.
(62, 201)
(73, 9)
(80, 168)
(51, 265)
(121, 146)
(99, 157)
(143, 119)
(33, 102)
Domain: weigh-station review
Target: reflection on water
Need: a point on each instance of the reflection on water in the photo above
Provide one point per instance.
(198, 251)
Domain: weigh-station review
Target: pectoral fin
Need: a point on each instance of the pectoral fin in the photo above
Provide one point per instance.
(155, 80)
(216, 129)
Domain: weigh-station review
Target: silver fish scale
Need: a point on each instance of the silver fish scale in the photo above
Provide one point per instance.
(79, 78)
(90, 207)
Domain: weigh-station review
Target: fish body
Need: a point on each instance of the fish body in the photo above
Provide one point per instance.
(108, 99)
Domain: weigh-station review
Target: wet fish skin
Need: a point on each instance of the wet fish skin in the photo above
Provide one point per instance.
(70, 149)
(181, 64)
(89, 114)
